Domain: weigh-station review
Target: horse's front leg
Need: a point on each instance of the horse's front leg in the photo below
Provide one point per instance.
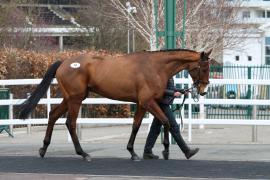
(153, 107)
(140, 112)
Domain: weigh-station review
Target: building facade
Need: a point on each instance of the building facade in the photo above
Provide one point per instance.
(254, 47)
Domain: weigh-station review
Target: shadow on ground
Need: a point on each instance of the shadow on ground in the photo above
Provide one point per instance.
(119, 166)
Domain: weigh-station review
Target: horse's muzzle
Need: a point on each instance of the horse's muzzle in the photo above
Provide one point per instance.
(203, 94)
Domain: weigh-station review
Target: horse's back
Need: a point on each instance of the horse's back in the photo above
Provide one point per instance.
(113, 77)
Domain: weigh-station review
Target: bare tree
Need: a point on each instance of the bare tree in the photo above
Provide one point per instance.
(212, 24)
(207, 21)
(17, 21)
(143, 20)
(15, 25)
(105, 32)
(10, 19)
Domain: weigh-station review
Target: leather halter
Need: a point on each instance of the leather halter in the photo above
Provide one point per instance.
(197, 82)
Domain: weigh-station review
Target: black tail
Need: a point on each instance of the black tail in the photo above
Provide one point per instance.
(27, 106)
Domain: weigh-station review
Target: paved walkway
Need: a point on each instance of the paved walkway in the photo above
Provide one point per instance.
(226, 152)
(211, 134)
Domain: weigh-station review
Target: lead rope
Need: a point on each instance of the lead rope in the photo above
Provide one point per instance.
(179, 107)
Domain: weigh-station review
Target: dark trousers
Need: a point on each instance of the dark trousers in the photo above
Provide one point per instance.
(174, 130)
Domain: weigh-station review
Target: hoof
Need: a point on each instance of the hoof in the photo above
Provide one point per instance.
(87, 158)
(135, 158)
(42, 152)
(165, 155)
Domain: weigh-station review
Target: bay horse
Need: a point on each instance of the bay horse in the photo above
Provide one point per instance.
(139, 77)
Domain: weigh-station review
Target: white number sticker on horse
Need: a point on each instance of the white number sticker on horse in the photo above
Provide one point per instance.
(75, 65)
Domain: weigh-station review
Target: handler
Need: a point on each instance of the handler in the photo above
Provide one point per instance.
(170, 93)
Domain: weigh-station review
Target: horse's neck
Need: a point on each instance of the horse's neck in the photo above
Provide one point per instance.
(174, 64)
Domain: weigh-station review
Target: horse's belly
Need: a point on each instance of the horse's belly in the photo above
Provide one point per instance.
(117, 94)
(113, 81)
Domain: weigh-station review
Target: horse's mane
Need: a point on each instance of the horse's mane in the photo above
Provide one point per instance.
(171, 50)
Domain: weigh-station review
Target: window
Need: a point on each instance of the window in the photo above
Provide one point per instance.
(260, 14)
(267, 60)
(264, 14)
(246, 14)
(267, 14)
(267, 41)
(237, 58)
(249, 58)
(267, 50)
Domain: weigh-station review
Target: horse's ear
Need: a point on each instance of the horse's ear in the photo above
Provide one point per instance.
(202, 55)
(207, 54)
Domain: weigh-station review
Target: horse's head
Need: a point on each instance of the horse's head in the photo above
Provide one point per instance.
(199, 73)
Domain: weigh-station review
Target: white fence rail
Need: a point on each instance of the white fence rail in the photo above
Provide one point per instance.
(190, 121)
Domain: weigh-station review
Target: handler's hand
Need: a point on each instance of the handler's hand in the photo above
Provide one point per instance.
(177, 94)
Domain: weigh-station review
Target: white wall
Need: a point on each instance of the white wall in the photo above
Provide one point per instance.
(251, 46)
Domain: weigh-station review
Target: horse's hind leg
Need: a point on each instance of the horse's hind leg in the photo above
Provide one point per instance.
(73, 110)
(55, 113)
(140, 112)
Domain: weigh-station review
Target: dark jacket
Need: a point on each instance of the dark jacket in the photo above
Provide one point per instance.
(169, 93)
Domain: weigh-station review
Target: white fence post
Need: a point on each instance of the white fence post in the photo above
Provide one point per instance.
(48, 102)
(189, 112)
(29, 125)
(11, 114)
(201, 113)
(254, 127)
(61, 43)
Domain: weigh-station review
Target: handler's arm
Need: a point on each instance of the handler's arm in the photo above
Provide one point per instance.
(169, 92)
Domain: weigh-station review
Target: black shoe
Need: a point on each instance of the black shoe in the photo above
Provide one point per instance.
(165, 155)
(191, 152)
(149, 156)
